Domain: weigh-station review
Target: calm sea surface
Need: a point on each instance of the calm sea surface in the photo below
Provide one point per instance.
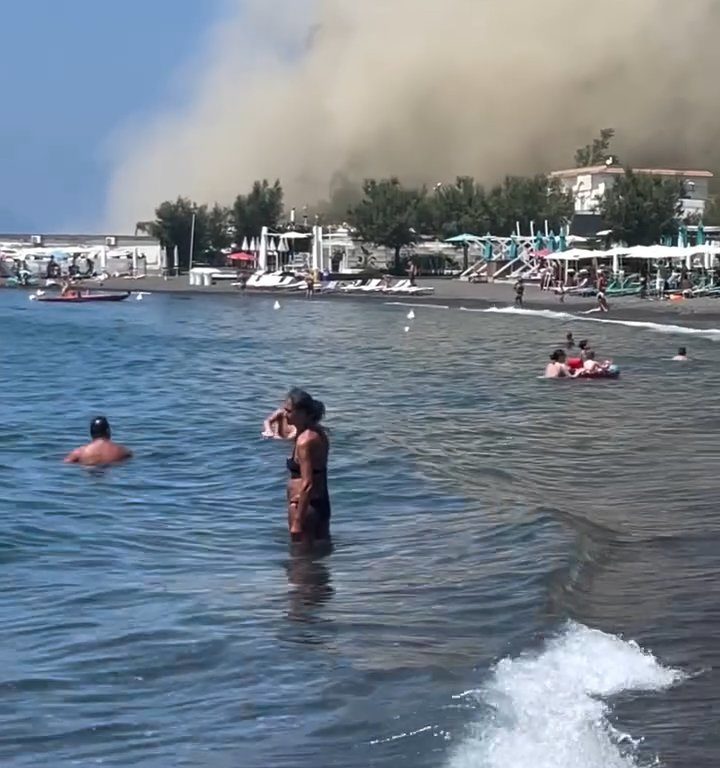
(525, 572)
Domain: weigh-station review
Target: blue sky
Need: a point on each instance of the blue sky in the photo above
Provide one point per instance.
(73, 73)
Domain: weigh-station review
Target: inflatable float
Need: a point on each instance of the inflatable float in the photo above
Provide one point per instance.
(83, 298)
(611, 372)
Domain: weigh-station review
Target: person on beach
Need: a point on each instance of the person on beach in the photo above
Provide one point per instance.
(307, 488)
(101, 450)
(681, 354)
(309, 286)
(519, 291)
(557, 367)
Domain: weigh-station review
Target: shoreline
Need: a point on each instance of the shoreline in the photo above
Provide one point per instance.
(454, 294)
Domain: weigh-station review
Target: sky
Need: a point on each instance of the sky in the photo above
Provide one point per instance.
(74, 72)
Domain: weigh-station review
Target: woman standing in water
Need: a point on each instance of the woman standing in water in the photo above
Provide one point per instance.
(307, 490)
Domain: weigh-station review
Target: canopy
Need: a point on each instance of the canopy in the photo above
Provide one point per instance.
(292, 235)
(241, 256)
(464, 238)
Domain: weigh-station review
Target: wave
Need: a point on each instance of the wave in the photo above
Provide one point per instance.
(709, 333)
(548, 711)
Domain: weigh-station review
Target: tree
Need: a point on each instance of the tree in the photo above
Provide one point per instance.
(262, 206)
(173, 226)
(388, 215)
(524, 199)
(219, 231)
(640, 209)
(596, 153)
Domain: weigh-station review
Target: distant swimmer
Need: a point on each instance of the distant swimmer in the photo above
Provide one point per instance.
(101, 449)
(569, 341)
(307, 489)
(681, 354)
(557, 367)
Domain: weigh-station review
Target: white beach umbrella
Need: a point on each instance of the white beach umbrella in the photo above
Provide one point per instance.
(253, 245)
(244, 247)
(283, 246)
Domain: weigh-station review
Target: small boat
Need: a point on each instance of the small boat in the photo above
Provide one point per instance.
(82, 297)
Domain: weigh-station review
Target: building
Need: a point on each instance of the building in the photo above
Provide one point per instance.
(588, 185)
(139, 254)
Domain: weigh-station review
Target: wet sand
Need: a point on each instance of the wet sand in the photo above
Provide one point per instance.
(457, 293)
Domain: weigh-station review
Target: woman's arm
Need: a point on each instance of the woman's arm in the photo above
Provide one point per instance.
(303, 456)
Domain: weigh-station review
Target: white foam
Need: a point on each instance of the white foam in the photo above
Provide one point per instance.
(547, 709)
(707, 333)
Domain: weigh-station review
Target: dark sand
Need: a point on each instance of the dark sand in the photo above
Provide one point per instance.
(456, 293)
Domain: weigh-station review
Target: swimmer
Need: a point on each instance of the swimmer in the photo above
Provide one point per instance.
(307, 490)
(100, 450)
(557, 367)
(591, 367)
(681, 354)
(569, 341)
(276, 426)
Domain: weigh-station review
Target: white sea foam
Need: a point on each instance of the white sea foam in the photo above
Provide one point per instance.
(708, 333)
(548, 710)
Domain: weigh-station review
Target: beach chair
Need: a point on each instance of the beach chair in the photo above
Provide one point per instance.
(351, 287)
(374, 286)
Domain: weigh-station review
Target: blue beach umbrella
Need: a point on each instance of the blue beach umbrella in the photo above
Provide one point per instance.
(488, 250)
(700, 236)
(539, 242)
(562, 242)
(682, 237)
(464, 238)
(513, 248)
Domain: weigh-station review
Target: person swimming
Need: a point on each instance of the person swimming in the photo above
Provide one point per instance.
(557, 367)
(591, 367)
(307, 489)
(681, 354)
(569, 340)
(101, 450)
(276, 426)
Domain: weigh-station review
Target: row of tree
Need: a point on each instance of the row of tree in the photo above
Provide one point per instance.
(638, 209)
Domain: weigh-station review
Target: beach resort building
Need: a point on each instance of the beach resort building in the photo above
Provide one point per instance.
(588, 185)
(123, 254)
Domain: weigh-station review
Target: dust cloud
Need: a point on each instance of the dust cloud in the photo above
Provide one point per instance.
(309, 91)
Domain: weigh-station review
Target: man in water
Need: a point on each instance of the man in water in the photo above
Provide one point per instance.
(681, 354)
(569, 341)
(101, 449)
(519, 291)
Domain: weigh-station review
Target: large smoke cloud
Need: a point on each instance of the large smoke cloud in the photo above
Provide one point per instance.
(426, 89)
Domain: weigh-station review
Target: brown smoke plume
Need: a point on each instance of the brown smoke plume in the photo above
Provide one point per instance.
(427, 90)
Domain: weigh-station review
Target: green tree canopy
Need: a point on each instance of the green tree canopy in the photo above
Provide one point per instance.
(596, 153)
(640, 208)
(389, 214)
(261, 207)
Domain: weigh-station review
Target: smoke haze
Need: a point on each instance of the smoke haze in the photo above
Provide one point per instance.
(426, 90)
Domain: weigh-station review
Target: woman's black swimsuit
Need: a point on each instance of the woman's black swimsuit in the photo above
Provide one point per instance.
(317, 520)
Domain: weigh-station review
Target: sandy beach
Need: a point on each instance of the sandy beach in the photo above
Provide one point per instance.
(457, 293)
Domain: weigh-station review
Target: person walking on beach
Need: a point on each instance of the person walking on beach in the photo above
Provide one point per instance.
(101, 450)
(519, 291)
(307, 489)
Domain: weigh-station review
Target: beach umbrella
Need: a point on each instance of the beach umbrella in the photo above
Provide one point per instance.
(562, 242)
(253, 245)
(682, 237)
(513, 249)
(539, 242)
(283, 246)
(700, 236)
(488, 254)
(462, 239)
(245, 247)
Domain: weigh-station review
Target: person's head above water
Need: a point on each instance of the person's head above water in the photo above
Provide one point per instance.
(682, 351)
(100, 428)
(583, 343)
(558, 356)
(569, 336)
(302, 410)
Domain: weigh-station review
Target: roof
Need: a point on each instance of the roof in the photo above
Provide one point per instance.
(618, 169)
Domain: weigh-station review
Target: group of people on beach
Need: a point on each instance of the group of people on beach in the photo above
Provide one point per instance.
(297, 420)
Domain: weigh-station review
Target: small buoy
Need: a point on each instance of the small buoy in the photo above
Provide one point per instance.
(411, 315)
(139, 297)
(407, 328)
(276, 305)
(32, 297)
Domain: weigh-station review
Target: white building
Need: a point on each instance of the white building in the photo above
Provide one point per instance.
(139, 254)
(588, 185)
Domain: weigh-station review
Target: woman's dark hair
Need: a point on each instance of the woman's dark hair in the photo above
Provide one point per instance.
(557, 355)
(682, 351)
(302, 401)
(583, 344)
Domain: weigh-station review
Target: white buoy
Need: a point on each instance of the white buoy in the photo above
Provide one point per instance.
(407, 328)
(139, 297)
(411, 315)
(276, 305)
(32, 297)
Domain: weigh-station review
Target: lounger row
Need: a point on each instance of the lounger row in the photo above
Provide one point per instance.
(280, 282)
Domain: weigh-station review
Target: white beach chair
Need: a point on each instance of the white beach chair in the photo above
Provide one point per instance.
(356, 286)
(374, 286)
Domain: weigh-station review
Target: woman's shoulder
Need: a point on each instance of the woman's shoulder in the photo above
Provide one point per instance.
(313, 435)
